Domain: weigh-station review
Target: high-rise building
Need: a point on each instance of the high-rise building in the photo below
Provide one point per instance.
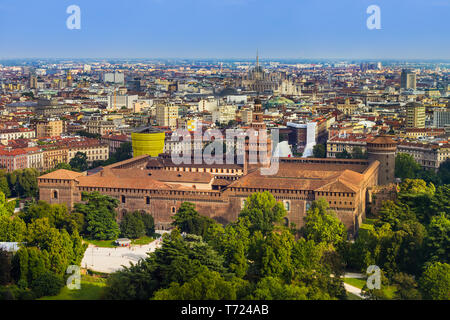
(33, 82)
(441, 119)
(69, 79)
(167, 115)
(415, 115)
(114, 77)
(408, 79)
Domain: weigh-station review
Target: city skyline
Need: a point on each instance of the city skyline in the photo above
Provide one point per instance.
(410, 30)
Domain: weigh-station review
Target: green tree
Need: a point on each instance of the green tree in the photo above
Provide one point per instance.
(406, 167)
(47, 284)
(12, 229)
(100, 216)
(20, 265)
(188, 220)
(5, 267)
(132, 226)
(357, 153)
(57, 214)
(437, 242)
(57, 243)
(435, 281)
(6, 208)
(322, 224)
(124, 152)
(233, 242)
(444, 172)
(272, 288)
(343, 155)
(262, 212)
(429, 176)
(406, 287)
(178, 260)
(270, 255)
(206, 285)
(79, 162)
(319, 151)
(4, 185)
(38, 263)
(149, 223)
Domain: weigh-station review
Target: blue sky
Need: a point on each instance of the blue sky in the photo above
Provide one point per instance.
(410, 29)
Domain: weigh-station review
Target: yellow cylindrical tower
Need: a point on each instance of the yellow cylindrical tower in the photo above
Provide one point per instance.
(147, 141)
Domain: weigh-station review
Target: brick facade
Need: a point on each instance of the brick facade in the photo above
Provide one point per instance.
(343, 183)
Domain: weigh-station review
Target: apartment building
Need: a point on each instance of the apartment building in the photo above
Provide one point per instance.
(17, 133)
(49, 128)
(167, 115)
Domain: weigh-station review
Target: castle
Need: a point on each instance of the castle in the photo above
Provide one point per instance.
(158, 186)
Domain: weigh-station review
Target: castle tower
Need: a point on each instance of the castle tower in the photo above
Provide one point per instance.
(69, 79)
(258, 124)
(383, 149)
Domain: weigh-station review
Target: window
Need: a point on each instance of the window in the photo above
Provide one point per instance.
(123, 199)
(287, 205)
(55, 194)
(147, 200)
(173, 209)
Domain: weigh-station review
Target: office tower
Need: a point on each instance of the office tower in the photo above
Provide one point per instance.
(33, 82)
(441, 119)
(114, 77)
(69, 79)
(415, 115)
(408, 79)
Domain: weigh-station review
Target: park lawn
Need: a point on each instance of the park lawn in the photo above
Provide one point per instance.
(110, 243)
(91, 289)
(142, 240)
(358, 283)
(101, 243)
(351, 296)
(389, 291)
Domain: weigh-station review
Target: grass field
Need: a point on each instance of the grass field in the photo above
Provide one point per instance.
(351, 296)
(389, 291)
(101, 243)
(110, 243)
(142, 240)
(358, 283)
(91, 289)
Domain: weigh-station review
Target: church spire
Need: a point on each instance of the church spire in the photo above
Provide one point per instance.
(257, 59)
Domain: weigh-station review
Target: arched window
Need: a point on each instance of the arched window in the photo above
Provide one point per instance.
(287, 205)
(55, 194)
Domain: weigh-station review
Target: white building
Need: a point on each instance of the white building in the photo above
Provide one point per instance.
(114, 77)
